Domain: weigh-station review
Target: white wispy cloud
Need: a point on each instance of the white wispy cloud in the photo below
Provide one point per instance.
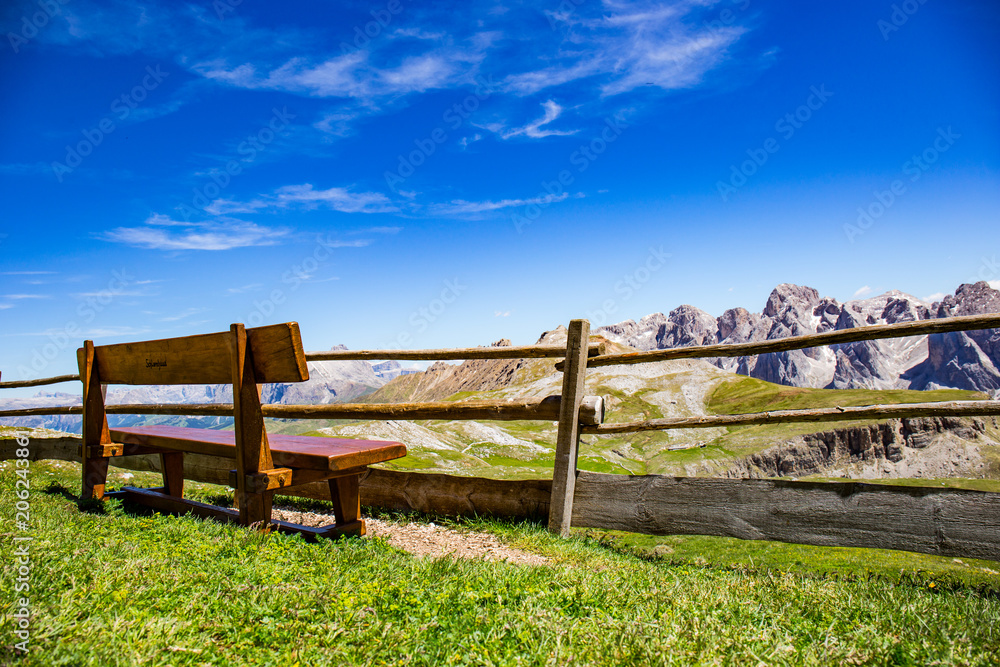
(461, 207)
(937, 296)
(184, 315)
(103, 332)
(862, 291)
(162, 233)
(351, 75)
(631, 45)
(378, 230)
(307, 197)
(252, 287)
(18, 297)
(534, 130)
(27, 273)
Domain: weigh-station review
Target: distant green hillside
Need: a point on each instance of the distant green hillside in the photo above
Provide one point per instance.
(649, 391)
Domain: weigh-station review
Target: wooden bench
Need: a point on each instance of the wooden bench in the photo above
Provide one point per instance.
(244, 358)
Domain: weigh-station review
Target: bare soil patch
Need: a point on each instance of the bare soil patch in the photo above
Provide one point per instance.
(428, 540)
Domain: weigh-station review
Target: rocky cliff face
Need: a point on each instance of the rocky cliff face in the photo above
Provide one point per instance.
(965, 360)
(922, 447)
(442, 380)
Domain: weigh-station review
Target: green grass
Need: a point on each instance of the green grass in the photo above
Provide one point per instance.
(119, 586)
(747, 395)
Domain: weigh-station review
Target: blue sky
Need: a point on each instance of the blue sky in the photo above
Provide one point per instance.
(408, 174)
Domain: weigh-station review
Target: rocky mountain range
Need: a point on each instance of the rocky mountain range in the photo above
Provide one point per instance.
(961, 360)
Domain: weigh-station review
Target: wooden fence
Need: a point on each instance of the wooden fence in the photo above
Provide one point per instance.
(939, 521)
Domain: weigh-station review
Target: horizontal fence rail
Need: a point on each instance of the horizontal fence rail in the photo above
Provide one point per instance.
(532, 409)
(923, 327)
(456, 354)
(504, 352)
(17, 384)
(939, 521)
(898, 411)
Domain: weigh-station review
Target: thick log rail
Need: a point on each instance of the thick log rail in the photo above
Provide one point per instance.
(920, 328)
(532, 409)
(947, 522)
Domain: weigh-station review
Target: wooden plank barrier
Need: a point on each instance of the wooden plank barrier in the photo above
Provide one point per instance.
(940, 521)
(945, 522)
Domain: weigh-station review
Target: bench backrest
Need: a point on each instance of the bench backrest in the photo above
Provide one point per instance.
(276, 352)
(244, 358)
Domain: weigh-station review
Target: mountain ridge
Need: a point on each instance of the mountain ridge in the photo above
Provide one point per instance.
(960, 360)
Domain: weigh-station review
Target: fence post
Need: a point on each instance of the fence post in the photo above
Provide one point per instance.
(564, 475)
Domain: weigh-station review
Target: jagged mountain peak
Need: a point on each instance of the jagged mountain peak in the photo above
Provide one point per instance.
(791, 310)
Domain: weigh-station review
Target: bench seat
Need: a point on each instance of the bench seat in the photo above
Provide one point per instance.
(262, 464)
(287, 451)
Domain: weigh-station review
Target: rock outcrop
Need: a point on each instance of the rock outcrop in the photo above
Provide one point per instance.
(964, 360)
(887, 449)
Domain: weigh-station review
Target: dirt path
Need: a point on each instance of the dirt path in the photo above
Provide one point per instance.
(428, 539)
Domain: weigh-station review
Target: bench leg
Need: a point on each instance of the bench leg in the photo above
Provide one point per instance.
(95, 477)
(346, 497)
(172, 465)
(254, 508)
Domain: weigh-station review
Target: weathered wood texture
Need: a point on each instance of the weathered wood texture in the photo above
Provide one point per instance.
(250, 445)
(568, 437)
(900, 411)
(541, 409)
(95, 425)
(942, 325)
(945, 522)
(290, 451)
(39, 382)
(421, 492)
(931, 520)
(509, 352)
(204, 359)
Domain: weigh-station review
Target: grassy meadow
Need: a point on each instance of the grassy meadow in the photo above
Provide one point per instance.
(116, 585)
